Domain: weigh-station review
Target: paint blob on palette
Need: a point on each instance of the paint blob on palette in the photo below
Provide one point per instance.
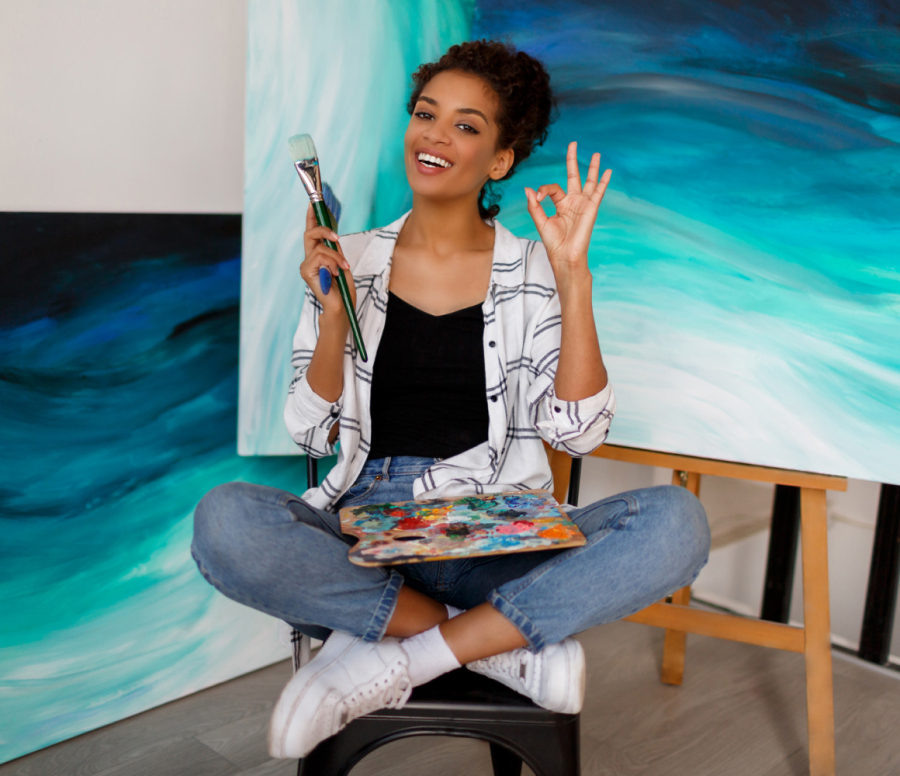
(461, 527)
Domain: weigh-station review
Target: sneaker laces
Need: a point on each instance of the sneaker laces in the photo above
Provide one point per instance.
(513, 665)
(386, 692)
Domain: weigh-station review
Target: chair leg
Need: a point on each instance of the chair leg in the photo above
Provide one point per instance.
(505, 763)
(305, 649)
(332, 756)
(561, 469)
(301, 644)
(551, 752)
(817, 623)
(675, 642)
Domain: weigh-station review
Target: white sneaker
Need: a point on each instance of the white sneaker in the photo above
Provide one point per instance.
(553, 678)
(349, 677)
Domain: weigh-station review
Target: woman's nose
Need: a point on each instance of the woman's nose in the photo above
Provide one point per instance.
(436, 133)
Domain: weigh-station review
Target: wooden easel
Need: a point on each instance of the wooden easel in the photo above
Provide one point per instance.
(674, 614)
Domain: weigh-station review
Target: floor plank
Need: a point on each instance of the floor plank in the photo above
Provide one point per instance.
(242, 742)
(157, 730)
(741, 711)
(186, 756)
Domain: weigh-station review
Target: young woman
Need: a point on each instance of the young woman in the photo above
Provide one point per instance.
(481, 345)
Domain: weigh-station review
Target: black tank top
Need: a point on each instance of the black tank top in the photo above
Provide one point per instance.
(428, 385)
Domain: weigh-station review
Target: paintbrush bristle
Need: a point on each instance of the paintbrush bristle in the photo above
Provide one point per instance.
(302, 148)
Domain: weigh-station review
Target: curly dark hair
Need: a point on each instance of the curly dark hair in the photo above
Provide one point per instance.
(522, 84)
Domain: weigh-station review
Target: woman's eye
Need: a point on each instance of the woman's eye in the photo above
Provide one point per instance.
(469, 128)
(423, 114)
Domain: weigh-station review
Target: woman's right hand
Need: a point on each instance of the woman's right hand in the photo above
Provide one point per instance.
(320, 255)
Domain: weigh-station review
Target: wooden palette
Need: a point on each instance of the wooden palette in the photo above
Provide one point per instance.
(459, 527)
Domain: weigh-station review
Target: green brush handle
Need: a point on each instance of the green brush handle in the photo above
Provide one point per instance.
(324, 218)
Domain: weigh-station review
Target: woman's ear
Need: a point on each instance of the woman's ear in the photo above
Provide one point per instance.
(503, 162)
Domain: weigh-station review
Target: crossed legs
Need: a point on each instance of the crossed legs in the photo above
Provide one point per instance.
(269, 549)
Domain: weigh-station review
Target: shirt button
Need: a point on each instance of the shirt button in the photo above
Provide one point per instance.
(493, 398)
(557, 409)
(335, 413)
(492, 344)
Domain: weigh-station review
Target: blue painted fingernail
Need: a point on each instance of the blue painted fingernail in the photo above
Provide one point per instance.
(324, 280)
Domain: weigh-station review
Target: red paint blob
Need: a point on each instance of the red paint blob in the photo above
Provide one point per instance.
(411, 523)
(396, 512)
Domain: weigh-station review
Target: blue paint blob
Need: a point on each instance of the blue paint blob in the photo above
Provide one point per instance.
(324, 280)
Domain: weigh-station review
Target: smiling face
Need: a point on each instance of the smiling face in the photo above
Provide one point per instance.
(450, 146)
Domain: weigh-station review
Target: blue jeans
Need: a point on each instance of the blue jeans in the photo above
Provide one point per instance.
(269, 549)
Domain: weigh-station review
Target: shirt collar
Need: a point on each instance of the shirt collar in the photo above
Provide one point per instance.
(508, 264)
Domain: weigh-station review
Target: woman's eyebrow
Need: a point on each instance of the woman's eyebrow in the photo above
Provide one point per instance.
(476, 112)
(429, 100)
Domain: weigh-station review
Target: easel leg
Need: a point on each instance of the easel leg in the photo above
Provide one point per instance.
(674, 645)
(817, 622)
(675, 642)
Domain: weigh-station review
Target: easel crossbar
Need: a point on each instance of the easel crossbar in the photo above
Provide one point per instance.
(740, 471)
(722, 626)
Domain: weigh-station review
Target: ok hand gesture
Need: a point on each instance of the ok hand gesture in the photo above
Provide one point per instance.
(567, 235)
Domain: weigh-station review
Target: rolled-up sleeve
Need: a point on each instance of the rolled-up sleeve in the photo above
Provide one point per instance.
(578, 427)
(307, 415)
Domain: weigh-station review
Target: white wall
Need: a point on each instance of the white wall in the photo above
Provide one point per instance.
(122, 105)
(138, 106)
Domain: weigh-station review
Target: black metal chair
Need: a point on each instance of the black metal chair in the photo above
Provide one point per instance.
(459, 703)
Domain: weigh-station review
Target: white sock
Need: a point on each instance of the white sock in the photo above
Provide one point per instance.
(453, 611)
(429, 656)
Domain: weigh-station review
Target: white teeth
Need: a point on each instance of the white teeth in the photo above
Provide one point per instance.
(433, 160)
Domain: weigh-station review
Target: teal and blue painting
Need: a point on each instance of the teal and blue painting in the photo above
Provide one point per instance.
(466, 527)
(746, 258)
(747, 298)
(118, 401)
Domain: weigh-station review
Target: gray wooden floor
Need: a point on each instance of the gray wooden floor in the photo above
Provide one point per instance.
(740, 712)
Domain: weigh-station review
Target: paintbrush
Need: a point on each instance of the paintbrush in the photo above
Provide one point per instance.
(306, 163)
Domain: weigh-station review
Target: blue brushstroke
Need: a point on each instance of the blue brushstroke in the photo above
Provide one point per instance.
(118, 403)
(331, 200)
(746, 262)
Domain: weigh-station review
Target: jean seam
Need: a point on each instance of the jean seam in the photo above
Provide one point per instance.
(628, 500)
(518, 618)
(632, 510)
(385, 609)
(631, 504)
(397, 469)
(324, 527)
(284, 497)
(368, 491)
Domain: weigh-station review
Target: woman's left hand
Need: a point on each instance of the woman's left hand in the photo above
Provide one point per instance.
(567, 235)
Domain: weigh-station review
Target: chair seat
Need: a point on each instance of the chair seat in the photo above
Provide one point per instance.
(463, 693)
(461, 703)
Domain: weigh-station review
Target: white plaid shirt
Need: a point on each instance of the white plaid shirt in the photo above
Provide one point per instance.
(521, 350)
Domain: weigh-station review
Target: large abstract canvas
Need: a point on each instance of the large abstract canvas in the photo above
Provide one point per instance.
(118, 400)
(338, 71)
(746, 259)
